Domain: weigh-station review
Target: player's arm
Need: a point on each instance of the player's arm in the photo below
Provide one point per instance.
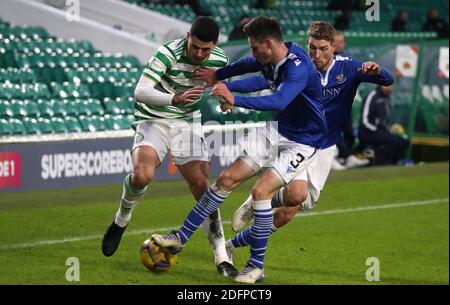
(240, 67)
(249, 84)
(371, 72)
(146, 92)
(286, 92)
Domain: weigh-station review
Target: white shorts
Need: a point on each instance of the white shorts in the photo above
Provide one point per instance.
(185, 141)
(316, 175)
(268, 149)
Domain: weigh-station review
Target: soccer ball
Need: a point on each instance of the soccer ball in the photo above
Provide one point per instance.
(156, 258)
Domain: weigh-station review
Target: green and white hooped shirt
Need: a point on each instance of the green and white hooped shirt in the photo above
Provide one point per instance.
(170, 69)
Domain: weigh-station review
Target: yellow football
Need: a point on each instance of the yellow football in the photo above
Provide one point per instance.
(156, 258)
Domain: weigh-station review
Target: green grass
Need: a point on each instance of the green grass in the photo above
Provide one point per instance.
(411, 242)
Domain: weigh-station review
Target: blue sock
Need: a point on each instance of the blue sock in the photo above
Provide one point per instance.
(277, 200)
(241, 239)
(260, 231)
(209, 202)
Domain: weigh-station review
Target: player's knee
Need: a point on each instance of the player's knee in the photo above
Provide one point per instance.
(259, 193)
(199, 186)
(295, 196)
(226, 180)
(141, 177)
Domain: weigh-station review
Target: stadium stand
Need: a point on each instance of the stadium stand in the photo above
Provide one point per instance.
(45, 77)
(50, 85)
(296, 15)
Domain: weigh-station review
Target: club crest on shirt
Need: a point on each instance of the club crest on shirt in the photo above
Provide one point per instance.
(272, 85)
(340, 78)
(138, 137)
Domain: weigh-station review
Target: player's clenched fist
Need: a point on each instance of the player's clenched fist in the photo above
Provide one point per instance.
(205, 74)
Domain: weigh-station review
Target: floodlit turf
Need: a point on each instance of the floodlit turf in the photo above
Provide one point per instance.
(409, 236)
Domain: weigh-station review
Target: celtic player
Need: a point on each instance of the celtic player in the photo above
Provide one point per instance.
(168, 120)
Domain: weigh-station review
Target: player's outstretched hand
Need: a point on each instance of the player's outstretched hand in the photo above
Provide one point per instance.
(221, 90)
(370, 68)
(225, 107)
(224, 95)
(205, 74)
(189, 96)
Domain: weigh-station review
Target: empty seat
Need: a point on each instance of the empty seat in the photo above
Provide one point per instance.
(45, 108)
(5, 109)
(5, 127)
(93, 123)
(31, 125)
(31, 108)
(18, 109)
(17, 127)
(72, 124)
(45, 125)
(59, 125)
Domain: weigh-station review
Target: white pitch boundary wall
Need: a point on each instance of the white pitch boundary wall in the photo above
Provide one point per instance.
(103, 37)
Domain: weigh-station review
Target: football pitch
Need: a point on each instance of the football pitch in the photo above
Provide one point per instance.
(398, 215)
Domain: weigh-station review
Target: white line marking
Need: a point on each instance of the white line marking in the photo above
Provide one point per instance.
(149, 231)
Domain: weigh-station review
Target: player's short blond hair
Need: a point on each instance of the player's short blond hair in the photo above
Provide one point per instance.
(321, 30)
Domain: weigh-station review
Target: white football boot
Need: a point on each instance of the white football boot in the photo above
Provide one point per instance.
(169, 240)
(242, 216)
(250, 275)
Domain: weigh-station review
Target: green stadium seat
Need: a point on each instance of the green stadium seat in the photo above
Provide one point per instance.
(32, 126)
(7, 57)
(59, 125)
(58, 107)
(31, 108)
(72, 107)
(93, 123)
(5, 128)
(5, 109)
(17, 127)
(7, 91)
(45, 108)
(72, 124)
(36, 32)
(18, 108)
(45, 125)
(111, 106)
(72, 75)
(112, 122)
(42, 91)
(126, 105)
(91, 107)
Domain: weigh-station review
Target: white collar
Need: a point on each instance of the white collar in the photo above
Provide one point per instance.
(324, 79)
(277, 66)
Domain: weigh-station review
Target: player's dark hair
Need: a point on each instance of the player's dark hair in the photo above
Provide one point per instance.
(205, 29)
(321, 30)
(260, 28)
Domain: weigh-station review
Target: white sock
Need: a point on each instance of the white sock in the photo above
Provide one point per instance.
(130, 198)
(273, 229)
(213, 228)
